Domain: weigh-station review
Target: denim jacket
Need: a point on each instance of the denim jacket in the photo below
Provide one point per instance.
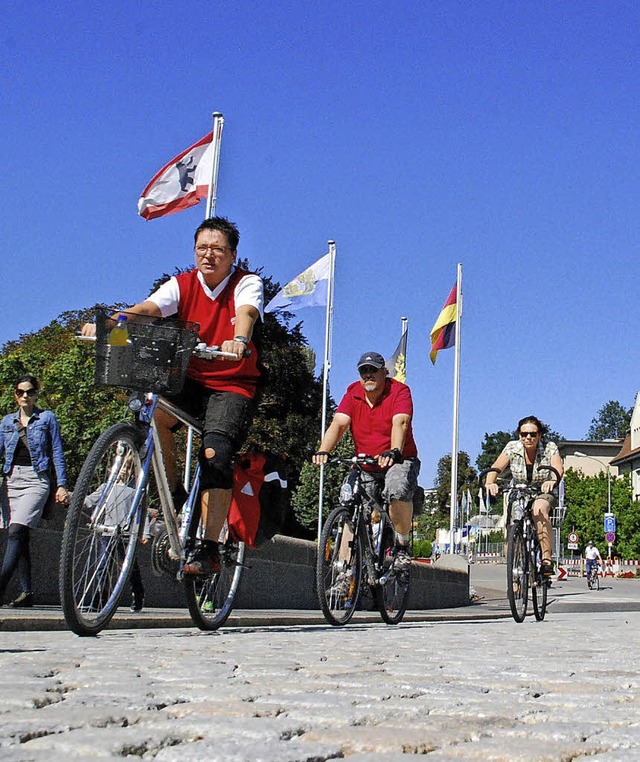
(45, 444)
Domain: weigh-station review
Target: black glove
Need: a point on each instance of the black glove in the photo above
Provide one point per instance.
(394, 454)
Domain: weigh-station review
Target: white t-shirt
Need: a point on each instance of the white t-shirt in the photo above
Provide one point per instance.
(591, 553)
(249, 291)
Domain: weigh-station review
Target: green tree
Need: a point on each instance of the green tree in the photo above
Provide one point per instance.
(586, 498)
(611, 422)
(492, 446)
(305, 498)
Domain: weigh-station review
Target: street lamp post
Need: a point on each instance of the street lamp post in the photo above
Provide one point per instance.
(607, 466)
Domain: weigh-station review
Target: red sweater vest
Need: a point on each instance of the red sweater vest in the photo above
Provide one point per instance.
(216, 318)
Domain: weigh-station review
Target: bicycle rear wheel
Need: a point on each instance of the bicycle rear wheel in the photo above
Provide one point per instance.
(517, 573)
(338, 567)
(102, 529)
(210, 598)
(392, 595)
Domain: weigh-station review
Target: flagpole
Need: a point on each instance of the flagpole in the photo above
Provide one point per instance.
(456, 401)
(212, 197)
(326, 368)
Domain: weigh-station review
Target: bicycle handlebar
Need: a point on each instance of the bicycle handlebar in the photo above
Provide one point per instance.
(201, 350)
(353, 460)
(498, 471)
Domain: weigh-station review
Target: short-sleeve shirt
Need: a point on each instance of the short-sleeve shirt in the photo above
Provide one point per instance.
(371, 426)
(514, 451)
(249, 291)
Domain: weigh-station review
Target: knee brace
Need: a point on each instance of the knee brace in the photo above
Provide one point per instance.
(217, 470)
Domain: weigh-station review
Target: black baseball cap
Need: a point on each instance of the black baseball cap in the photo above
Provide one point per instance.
(375, 359)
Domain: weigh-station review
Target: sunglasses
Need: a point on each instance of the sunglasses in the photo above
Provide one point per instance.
(368, 370)
(525, 434)
(29, 392)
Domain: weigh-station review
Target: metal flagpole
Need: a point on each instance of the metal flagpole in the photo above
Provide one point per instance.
(456, 400)
(212, 197)
(328, 332)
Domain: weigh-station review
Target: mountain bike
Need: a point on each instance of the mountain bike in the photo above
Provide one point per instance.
(356, 544)
(524, 557)
(110, 500)
(593, 577)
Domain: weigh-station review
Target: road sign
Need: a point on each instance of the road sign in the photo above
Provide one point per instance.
(610, 537)
(562, 572)
(573, 537)
(572, 545)
(609, 522)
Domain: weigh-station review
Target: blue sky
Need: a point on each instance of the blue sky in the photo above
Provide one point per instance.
(502, 135)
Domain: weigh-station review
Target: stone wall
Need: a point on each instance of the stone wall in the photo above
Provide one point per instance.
(279, 575)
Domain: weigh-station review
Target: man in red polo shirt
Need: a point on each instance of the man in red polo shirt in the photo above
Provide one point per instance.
(378, 410)
(226, 302)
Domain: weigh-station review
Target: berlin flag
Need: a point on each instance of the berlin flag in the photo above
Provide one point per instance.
(181, 183)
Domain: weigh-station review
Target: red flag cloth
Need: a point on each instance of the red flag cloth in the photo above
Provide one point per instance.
(443, 333)
(181, 183)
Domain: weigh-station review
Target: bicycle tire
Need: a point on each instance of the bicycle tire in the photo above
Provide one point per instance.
(338, 567)
(210, 598)
(517, 573)
(597, 580)
(97, 556)
(392, 595)
(539, 593)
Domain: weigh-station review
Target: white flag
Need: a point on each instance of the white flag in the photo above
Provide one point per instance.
(181, 183)
(483, 507)
(309, 289)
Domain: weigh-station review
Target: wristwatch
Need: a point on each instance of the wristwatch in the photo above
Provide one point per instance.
(243, 339)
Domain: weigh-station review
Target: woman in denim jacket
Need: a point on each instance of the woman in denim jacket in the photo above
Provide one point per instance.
(29, 442)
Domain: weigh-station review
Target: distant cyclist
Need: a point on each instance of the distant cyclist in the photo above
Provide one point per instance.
(592, 557)
(378, 410)
(525, 455)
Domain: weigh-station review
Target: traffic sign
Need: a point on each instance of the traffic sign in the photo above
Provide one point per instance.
(609, 522)
(610, 537)
(572, 545)
(573, 537)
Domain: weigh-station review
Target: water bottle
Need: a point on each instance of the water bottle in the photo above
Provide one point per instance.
(118, 351)
(119, 334)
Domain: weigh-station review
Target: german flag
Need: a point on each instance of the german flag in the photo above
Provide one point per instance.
(443, 333)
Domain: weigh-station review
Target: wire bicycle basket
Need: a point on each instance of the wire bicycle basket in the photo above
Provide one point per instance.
(155, 358)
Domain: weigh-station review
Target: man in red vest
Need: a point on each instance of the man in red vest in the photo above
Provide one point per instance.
(226, 302)
(378, 411)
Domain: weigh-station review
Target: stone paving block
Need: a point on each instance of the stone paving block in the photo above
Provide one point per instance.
(240, 751)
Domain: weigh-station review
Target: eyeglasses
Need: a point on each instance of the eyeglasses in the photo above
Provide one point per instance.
(217, 251)
(29, 392)
(368, 370)
(525, 434)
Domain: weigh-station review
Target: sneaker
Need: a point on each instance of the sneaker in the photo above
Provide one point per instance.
(342, 586)
(401, 559)
(137, 602)
(204, 562)
(23, 601)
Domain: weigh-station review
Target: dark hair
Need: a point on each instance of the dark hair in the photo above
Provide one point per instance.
(224, 226)
(542, 429)
(31, 379)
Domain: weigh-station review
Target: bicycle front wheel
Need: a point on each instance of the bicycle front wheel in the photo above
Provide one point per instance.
(102, 529)
(210, 598)
(517, 573)
(392, 594)
(338, 567)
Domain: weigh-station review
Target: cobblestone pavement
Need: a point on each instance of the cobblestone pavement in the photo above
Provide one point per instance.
(563, 689)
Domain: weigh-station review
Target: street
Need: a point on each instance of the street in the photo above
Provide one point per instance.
(456, 689)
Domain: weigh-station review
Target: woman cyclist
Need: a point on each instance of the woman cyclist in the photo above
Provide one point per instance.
(525, 455)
